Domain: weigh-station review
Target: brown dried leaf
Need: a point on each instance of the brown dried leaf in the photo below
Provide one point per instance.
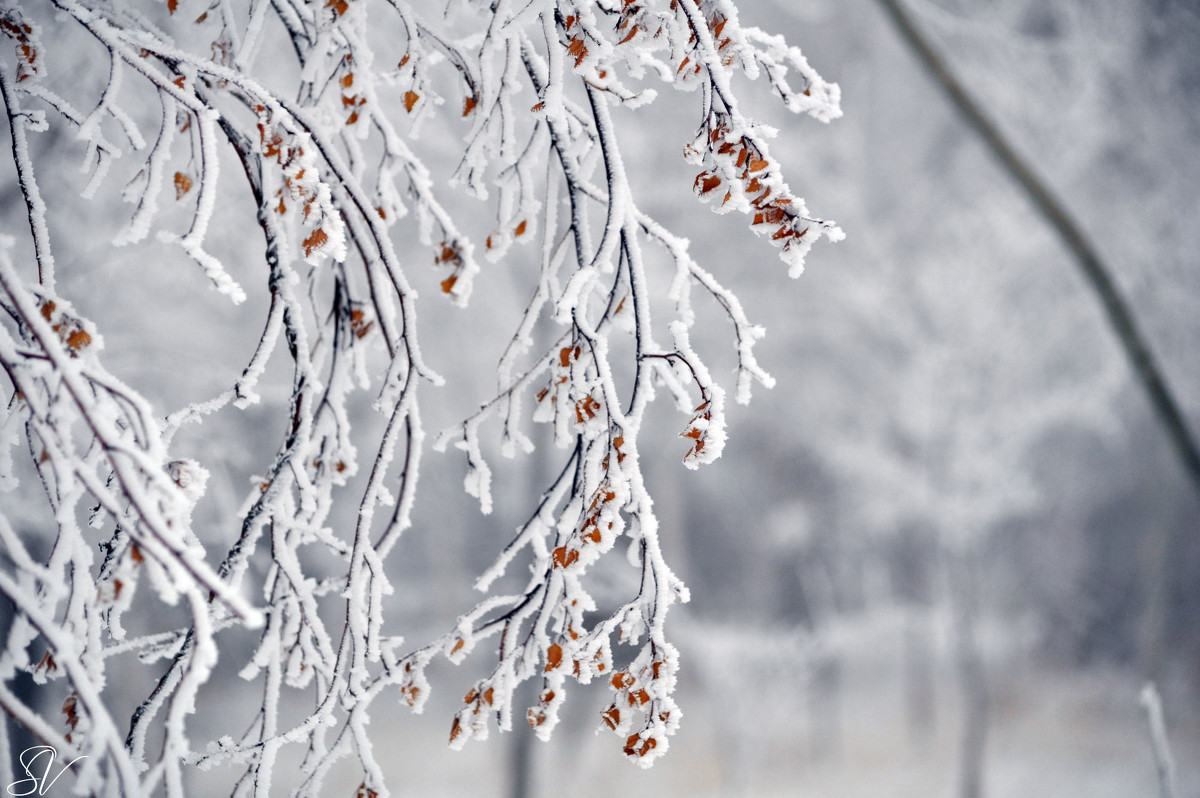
(706, 182)
(77, 340)
(68, 709)
(553, 656)
(314, 241)
(183, 184)
(578, 49)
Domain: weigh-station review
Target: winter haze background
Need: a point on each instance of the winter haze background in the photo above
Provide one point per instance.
(953, 529)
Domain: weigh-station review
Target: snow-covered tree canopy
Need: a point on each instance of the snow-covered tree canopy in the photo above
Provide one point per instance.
(308, 112)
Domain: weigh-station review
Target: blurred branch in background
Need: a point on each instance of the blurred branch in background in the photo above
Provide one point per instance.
(1168, 783)
(1096, 273)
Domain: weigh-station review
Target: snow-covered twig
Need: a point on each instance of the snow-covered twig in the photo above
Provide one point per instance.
(326, 150)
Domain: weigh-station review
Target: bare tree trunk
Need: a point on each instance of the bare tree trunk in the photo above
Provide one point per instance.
(1157, 566)
(522, 759)
(825, 681)
(920, 696)
(520, 749)
(913, 564)
(972, 676)
(825, 690)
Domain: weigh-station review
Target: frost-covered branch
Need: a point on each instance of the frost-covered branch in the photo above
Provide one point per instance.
(320, 127)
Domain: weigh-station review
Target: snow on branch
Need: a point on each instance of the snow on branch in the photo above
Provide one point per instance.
(298, 109)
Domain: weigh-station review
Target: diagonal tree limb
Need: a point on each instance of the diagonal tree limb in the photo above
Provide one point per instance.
(1116, 307)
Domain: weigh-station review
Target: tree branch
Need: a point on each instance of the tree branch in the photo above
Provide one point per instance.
(1098, 275)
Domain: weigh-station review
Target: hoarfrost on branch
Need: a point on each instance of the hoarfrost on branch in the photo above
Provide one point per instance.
(327, 150)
